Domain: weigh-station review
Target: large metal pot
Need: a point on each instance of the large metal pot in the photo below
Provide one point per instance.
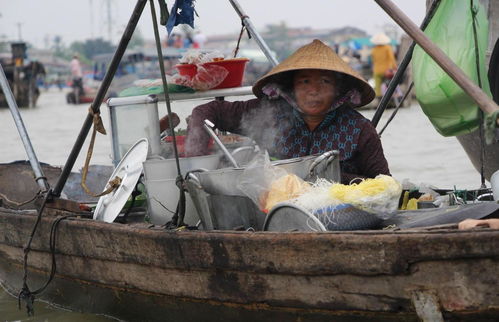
(222, 205)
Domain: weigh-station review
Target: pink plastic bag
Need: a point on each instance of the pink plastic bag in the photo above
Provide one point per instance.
(206, 77)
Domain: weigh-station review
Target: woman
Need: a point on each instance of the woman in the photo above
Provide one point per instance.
(383, 60)
(303, 107)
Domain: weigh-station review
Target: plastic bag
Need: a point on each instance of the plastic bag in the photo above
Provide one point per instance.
(449, 108)
(267, 185)
(199, 57)
(208, 76)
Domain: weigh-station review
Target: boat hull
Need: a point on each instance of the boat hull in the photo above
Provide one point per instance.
(145, 274)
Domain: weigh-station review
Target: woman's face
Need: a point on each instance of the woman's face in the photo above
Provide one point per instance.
(315, 90)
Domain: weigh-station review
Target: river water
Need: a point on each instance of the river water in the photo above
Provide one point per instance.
(413, 148)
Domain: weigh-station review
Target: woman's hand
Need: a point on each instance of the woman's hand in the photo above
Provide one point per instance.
(164, 124)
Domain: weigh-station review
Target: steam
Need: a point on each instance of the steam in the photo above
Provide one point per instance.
(261, 124)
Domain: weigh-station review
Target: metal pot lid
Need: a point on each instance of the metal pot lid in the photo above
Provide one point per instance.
(129, 170)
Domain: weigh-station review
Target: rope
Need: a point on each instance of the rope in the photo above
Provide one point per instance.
(19, 204)
(390, 119)
(474, 12)
(243, 27)
(114, 183)
(177, 220)
(26, 294)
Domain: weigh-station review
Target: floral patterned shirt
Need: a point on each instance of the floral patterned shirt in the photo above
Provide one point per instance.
(279, 128)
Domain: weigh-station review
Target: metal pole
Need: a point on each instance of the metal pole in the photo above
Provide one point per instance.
(397, 78)
(249, 25)
(39, 176)
(209, 128)
(475, 92)
(125, 38)
(165, 84)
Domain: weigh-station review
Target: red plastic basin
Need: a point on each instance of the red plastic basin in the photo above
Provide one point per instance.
(234, 66)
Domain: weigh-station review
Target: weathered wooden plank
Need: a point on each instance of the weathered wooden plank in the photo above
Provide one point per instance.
(376, 252)
(350, 272)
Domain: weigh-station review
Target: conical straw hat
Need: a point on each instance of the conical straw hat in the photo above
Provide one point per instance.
(317, 55)
(380, 39)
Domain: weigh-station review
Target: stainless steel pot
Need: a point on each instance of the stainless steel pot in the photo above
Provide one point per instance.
(222, 205)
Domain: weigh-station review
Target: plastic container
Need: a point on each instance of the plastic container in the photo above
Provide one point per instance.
(162, 202)
(162, 192)
(143, 110)
(235, 67)
(160, 169)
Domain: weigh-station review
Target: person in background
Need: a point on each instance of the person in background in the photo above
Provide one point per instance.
(304, 106)
(76, 74)
(170, 41)
(178, 41)
(199, 39)
(383, 60)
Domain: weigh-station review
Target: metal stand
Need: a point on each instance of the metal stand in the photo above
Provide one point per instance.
(33, 160)
(249, 25)
(125, 38)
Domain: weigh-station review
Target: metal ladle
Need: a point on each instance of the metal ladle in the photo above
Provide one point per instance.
(208, 125)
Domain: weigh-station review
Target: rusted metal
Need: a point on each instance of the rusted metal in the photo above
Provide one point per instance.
(67, 205)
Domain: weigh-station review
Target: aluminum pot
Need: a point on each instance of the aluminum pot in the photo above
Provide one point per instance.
(222, 205)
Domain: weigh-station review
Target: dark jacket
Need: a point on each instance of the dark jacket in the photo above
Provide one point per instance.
(280, 129)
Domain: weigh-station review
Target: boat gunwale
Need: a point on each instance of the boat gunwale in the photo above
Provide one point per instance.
(298, 253)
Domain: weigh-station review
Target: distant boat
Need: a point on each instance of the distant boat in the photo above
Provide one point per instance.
(23, 76)
(136, 64)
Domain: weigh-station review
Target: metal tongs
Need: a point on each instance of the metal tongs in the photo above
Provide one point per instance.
(208, 125)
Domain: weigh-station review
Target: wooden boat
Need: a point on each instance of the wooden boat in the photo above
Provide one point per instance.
(140, 272)
(137, 272)
(22, 77)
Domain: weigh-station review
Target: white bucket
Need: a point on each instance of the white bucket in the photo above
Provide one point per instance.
(162, 200)
(159, 169)
(494, 182)
(160, 176)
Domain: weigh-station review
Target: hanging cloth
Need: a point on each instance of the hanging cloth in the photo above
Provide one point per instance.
(182, 12)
